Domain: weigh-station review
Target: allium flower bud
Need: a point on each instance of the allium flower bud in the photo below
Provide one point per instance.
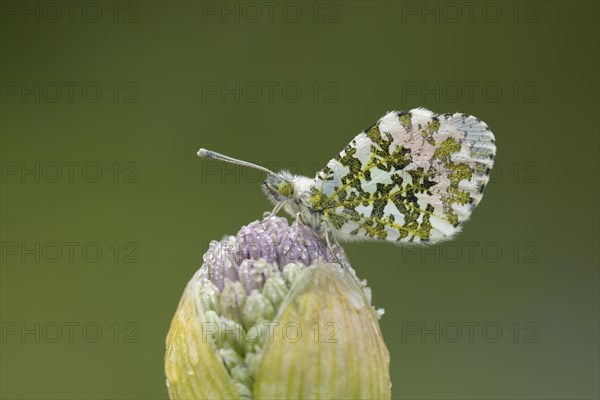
(273, 313)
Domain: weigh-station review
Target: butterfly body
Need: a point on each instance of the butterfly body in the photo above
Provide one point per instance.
(292, 193)
(413, 176)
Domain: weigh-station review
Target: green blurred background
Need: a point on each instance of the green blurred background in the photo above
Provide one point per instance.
(131, 90)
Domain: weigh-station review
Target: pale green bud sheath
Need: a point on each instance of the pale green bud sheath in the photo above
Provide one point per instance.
(272, 314)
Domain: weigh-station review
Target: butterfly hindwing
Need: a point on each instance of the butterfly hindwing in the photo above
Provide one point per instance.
(413, 176)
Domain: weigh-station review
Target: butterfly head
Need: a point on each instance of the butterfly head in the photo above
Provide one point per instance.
(279, 187)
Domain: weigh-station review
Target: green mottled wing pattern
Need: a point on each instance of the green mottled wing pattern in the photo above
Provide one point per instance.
(413, 176)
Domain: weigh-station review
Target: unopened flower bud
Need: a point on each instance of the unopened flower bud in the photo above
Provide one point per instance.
(276, 313)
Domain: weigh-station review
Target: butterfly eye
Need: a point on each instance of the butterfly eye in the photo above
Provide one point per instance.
(285, 189)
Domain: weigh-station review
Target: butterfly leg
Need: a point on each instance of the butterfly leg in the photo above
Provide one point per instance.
(299, 221)
(273, 212)
(330, 246)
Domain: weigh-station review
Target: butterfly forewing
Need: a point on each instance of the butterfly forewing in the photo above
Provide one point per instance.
(413, 176)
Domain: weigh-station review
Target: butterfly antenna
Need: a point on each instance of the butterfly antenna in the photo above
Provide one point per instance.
(217, 156)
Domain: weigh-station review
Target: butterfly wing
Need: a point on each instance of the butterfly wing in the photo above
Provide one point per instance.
(413, 176)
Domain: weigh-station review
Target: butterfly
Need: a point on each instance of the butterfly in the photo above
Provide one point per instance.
(412, 176)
